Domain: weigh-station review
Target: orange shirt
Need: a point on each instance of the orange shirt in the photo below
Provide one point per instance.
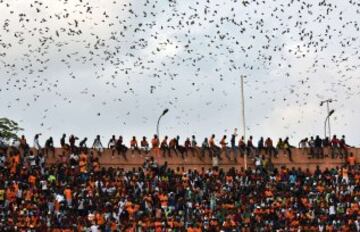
(68, 194)
(82, 166)
(32, 180)
(212, 142)
(223, 143)
(351, 160)
(155, 143)
(133, 143)
(99, 219)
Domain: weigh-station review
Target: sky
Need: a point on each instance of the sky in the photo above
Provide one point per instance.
(111, 67)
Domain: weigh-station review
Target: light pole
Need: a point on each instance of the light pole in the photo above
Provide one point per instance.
(158, 122)
(327, 101)
(328, 118)
(243, 118)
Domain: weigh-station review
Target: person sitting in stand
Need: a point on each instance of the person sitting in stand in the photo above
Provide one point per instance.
(49, 146)
(24, 145)
(121, 148)
(215, 150)
(145, 145)
(270, 150)
(224, 147)
(62, 142)
(97, 145)
(112, 146)
(260, 147)
(242, 146)
(187, 146)
(72, 141)
(134, 145)
(233, 144)
(343, 147)
(180, 148)
(37, 143)
(82, 143)
(319, 153)
(172, 146)
(335, 146)
(250, 146)
(164, 147)
(155, 145)
(287, 148)
(194, 147)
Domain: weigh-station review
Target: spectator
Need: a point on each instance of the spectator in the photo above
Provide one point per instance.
(37, 142)
(112, 145)
(82, 143)
(312, 147)
(164, 147)
(242, 146)
(287, 148)
(155, 145)
(280, 145)
(351, 160)
(260, 147)
(172, 146)
(188, 148)
(23, 144)
(205, 147)
(134, 146)
(335, 146)
(233, 144)
(304, 143)
(194, 147)
(97, 145)
(62, 141)
(49, 146)
(318, 148)
(180, 148)
(224, 147)
(343, 147)
(250, 146)
(120, 147)
(72, 141)
(145, 145)
(326, 142)
(215, 150)
(270, 150)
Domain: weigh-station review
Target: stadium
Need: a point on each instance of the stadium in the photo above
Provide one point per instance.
(181, 116)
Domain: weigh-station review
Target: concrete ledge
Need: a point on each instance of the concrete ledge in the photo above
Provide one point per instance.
(300, 159)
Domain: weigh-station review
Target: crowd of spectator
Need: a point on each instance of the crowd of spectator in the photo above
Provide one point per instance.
(313, 148)
(80, 195)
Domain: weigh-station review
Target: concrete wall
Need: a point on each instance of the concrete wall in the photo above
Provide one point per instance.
(300, 160)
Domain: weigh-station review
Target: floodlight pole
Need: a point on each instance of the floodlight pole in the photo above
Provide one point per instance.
(158, 122)
(327, 101)
(243, 118)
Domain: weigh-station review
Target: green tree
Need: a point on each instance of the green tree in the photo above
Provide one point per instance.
(8, 129)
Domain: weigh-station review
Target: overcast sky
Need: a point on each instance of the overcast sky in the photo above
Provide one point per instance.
(111, 67)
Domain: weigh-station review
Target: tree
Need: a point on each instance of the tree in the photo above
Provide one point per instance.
(8, 129)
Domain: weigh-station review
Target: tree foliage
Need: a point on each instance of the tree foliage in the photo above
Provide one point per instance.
(8, 129)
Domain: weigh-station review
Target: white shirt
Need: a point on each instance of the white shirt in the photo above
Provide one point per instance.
(37, 144)
(94, 228)
(332, 210)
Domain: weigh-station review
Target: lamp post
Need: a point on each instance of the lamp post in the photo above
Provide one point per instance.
(327, 120)
(158, 122)
(327, 101)
(243, 118)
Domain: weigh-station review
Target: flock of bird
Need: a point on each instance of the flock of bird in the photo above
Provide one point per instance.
(178, 50)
